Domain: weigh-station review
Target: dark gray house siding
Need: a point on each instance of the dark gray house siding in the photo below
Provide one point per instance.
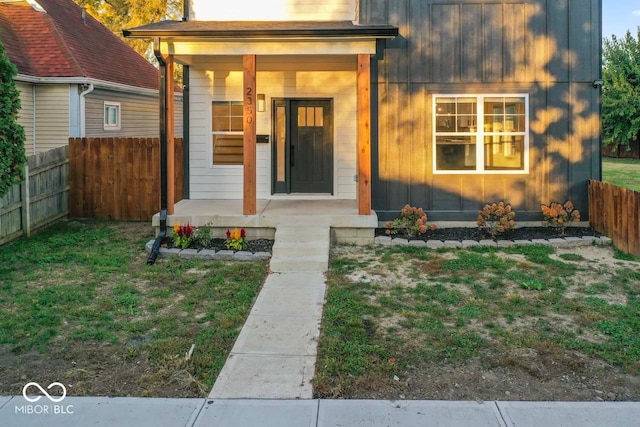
(548, 49)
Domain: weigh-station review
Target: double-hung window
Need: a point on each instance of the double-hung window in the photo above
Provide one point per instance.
(111, 115)
(226, 126)
(481, 133)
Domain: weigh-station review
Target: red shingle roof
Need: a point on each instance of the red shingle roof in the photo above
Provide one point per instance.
(68, 42)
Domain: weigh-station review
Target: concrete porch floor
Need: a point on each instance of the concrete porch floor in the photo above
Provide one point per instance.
(340, 215)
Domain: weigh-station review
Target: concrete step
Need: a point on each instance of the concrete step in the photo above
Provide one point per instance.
(299, 234)
(289, 264)
(297, 251)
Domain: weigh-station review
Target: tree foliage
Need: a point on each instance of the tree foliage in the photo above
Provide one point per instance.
(118, 15)
(12, 136)
(621, 90)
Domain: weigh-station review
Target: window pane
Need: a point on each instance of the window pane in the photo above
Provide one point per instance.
(220, 109)
(466, 123)
(227, 149)
(456, 153)
(236, 124)
(302, 116)
(466, 106)
(311, 114)
(280, 141)
(220, 124)
(445, 106)
(319, 116)
(504, 152)
(236, 109)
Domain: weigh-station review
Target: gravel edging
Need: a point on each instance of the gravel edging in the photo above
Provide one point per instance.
(209, 254)
(566, 242)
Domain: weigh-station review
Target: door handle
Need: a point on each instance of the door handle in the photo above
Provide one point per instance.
(292, 155)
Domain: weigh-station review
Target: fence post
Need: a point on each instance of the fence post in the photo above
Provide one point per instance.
(25, 200)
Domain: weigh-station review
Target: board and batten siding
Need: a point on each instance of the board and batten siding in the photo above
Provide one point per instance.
(273, 10)
(220, 79)
(139, 114)
(548, 49)
(25, 115)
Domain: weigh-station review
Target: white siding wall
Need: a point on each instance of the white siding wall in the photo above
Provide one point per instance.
(278, 77)
(52, 116)
(273, 10)
(25, 116)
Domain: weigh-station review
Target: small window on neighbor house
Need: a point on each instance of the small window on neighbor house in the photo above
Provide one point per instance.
(111, 116)
(227, 130)
(481, 133)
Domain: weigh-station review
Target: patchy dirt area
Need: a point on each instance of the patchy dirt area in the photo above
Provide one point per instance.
(472, 325)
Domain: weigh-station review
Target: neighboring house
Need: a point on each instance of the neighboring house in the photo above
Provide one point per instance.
(76, 78)
(445, 105)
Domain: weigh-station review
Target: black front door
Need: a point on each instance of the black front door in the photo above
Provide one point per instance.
(303, 146)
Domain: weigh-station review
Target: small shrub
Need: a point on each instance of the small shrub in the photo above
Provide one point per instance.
(558, 216)
(496, 218)
(412, 220)
(203, 235)
(182, 235)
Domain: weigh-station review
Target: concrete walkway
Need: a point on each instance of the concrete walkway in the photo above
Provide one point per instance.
(275, 353)
(141, 412)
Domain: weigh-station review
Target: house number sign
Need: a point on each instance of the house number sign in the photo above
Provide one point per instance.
(249, 105)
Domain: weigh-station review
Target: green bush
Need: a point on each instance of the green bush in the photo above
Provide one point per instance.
(12, 137)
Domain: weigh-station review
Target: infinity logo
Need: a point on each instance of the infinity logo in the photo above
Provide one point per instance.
(51, 398)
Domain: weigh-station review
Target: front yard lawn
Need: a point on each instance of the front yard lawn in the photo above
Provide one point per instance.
(80, 306)
(525, 323)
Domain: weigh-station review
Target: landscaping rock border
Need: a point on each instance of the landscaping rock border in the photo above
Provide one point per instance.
(566, 242)
(209, 254)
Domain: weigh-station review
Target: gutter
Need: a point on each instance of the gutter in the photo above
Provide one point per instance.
(155, 249)
(82, 108)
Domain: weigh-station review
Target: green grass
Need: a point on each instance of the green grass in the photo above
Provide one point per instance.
(622, 172)
(87, 282)
(480, 303)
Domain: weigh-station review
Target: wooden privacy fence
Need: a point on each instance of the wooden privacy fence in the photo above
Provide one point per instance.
(41, 199)
(614, 211)
(118, 178)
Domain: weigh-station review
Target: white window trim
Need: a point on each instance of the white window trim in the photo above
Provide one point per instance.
(212, 165)
(118, 107)
(480, 135)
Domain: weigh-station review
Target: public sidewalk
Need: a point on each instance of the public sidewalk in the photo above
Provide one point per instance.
(147, 412)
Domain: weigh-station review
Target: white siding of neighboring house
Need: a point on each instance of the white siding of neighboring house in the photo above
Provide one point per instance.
(52, 116)
(273, 10)
(25, 116)
(277, 77)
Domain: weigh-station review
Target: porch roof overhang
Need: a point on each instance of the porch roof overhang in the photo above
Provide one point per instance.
(188, 38)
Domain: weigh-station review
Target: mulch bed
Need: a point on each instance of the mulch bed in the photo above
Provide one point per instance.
(468, 233)
(217, 244)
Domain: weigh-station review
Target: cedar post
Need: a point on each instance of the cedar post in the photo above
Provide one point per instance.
(169, 122)
(364, 134)
(249, 128)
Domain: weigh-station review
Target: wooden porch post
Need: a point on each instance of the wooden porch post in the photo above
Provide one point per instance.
(364, 134)
(249, 128)
(169, 111)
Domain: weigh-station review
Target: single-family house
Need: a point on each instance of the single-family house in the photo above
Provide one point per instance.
(76, 78)
(441, 104)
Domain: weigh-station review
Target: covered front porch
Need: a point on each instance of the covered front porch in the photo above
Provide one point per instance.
(346, 223)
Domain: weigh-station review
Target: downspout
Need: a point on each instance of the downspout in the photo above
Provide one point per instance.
(33, 94)
(82, 108)
(186, 101)
(155, 250)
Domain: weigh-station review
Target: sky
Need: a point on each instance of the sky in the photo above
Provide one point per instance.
(618, 16)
